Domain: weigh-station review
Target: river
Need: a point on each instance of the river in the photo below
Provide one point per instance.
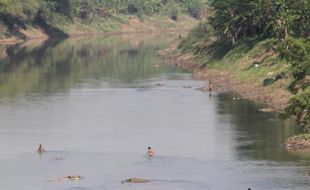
(95, 105)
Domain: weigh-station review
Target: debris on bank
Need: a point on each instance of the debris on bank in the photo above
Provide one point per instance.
(266, 110)
(300, 143)
(135, 180)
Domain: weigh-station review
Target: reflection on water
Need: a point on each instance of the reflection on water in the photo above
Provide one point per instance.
(260, 134)
(56, 66)
(94, 105)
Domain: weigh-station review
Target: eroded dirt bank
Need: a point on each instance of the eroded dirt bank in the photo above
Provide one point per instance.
(132, 25)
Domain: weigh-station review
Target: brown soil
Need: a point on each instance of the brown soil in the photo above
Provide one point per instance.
(277, 99)
(134, 25)
(10, 41)
(3, 53)
(30, 34)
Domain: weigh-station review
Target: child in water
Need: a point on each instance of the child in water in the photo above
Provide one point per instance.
(41, 149)
(149, 152)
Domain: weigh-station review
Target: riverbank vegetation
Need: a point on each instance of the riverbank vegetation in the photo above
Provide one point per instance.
(264, 42)
(57, 18)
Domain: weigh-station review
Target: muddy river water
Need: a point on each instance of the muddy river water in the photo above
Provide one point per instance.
(95, 105)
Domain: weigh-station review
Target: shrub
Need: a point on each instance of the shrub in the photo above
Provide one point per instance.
(196, 9)
(300, 107)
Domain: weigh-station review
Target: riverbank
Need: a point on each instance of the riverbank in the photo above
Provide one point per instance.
(298, 143)
(253, 69)
(276, 96)
(112, 26)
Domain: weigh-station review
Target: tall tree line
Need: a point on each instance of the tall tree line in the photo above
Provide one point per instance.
(85, 9)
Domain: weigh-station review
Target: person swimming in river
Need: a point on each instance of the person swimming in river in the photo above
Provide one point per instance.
(149, 152)
(66, 178)
(41, 149)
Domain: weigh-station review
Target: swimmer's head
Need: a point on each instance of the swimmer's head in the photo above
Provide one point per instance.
(149, 148)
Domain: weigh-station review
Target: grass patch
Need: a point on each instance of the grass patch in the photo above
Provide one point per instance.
(301, 137)
(253, 61)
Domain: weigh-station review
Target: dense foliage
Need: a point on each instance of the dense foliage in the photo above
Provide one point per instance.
(30, 10)
(300, 106)
(236, 19)
(233, 22)
(297, 52)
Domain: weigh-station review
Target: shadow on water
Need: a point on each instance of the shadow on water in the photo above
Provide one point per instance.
(259, 135)
(58, 65)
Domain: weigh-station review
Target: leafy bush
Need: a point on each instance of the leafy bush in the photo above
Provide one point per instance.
(203, 32)
(174, 13)
(196, 8)
(297, 52)
(135, 7)
(300, 107)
